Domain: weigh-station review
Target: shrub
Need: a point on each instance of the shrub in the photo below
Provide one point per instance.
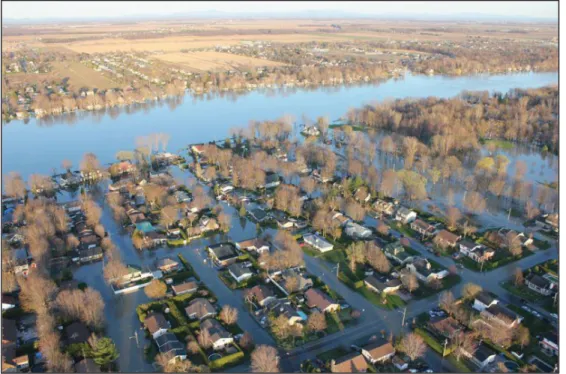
(227, 360)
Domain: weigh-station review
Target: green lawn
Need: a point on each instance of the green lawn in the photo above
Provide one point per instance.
(333, 354)
(503, 144)
(390, 301)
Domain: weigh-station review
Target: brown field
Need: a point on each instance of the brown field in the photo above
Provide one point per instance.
(80, 75)
(206, 61)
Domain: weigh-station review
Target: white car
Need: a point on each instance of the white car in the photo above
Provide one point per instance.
(554, 315)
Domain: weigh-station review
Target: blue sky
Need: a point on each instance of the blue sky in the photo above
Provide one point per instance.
(60, 9)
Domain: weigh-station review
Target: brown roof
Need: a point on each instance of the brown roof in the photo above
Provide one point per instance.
(351, 363)
(260, 292)
(319, 299)
(379, 349)
(447, 236)
(201, 307)
(423, 225)
(156, 321)
(183, 287)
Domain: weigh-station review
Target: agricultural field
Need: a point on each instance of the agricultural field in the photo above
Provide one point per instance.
(80, 75)
(213, 61)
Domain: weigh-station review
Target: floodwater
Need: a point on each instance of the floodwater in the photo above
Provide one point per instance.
(38, 146)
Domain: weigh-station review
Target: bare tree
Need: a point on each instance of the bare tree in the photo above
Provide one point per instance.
(36, 292)
(193, 347)
(247, 341)
(204, 339)
(413, 346)
(170, 364)
(224, 221)
(14, 185)
(156, 289)
(114, 271)
(229, 315)
(513, 244)
(522, 335)
(316, 322)
(518, 278)
(447, 302)
(453, 215)
(265, 360)
(409, 280)
(9, 283)
(470, 291)
(465, 344)
(168, 215)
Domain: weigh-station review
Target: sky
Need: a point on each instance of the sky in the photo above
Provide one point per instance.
(102, 9)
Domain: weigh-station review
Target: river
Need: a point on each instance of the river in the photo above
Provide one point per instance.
(40, 145)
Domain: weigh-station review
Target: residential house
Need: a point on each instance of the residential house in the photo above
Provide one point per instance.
(182, 197)
(76, 332)
(445, 238)
(156, 324)
(284, 308)
(259, 215)
(423, 270)
(539, 284)
(239, 272)
(405, 215)
(502, 315)
(549, 343)
(384, 207)
(482, 356)
(310, 131)
(396, 252)
(318, 242)
(175, 349)
(87, 365)
(382, 284)
(167, 265)
(484, 300)
(200, 309)
(356, 231)
(318, 299)
(362, 195)
(271, 180)
(163, 339)
(19, 261)
(423, 228)
(261, 294)
(350, 363)
(519, 236)
(341, 218)
(198, 149)
(154, 238)
(477, 252)
(218, 335)
(89, 254)
(282, 219)
(184, 288)
(254, 245)
(445, 326)
(223, 253)
(378, 351)
(294, 281)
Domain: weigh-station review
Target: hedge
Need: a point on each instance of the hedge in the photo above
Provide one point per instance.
(226, 360)
(359, 284)
(176, 313)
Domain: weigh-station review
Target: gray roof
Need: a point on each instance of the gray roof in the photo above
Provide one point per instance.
(200, 307)
(166, 338)
(224, 251)
(485, 297)
(238, 269)
(483, 352)
(215, 329)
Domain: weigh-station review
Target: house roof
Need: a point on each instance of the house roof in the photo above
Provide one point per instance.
(238, 269)
(404, 211)
(317, 241)
(77, 332)
(501, 311)
(174, 347)
(423, 225)
(281, 308)
(166, 338)
(447, 236)
(223, 251)
(215, 329)
(379, 349)
(538, 281)
(485, 297)
(200, 307)
(382, 282)
(317, 298)
(155, 322)
(350, 363)
(468, 243)
(166, 262)
(260, 292)
(254, 242)
(186, 286)
(483, 352)
(258, 214)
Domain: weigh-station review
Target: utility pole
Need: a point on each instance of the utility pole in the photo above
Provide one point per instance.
(444, 350)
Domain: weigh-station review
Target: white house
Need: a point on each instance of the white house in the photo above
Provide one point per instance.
(405, 215)
(156, 324)
(317, 242)
(218, 335)
(483, 301)
(239, 272)
(356, 231)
